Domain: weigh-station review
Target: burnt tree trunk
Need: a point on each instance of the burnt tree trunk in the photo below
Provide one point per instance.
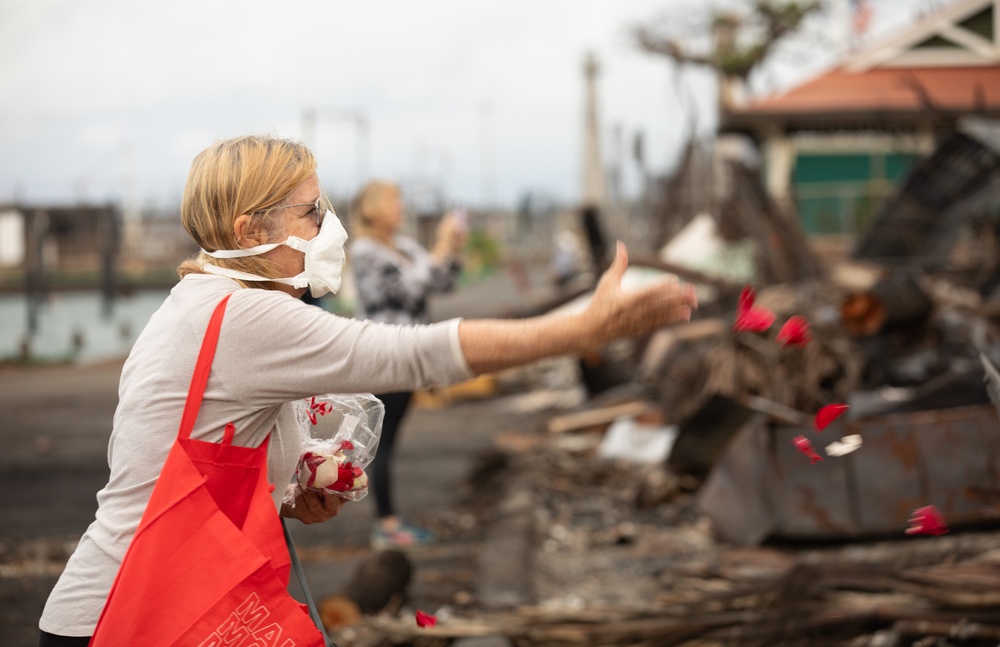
(378, 580)
(898, 301)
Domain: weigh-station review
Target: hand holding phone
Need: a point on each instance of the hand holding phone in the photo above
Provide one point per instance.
(461, 219)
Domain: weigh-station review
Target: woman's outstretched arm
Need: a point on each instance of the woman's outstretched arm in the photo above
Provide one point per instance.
(491, 344)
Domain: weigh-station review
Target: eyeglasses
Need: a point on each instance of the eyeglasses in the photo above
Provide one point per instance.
(317, 209)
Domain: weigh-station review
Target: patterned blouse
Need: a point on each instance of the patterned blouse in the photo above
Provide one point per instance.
(393, 284)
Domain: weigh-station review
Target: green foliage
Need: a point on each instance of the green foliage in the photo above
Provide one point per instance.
(482, 253)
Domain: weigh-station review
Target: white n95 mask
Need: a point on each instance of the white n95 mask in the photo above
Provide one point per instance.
(324, 263)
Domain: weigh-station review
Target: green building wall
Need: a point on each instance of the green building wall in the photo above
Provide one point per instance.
(839, 193)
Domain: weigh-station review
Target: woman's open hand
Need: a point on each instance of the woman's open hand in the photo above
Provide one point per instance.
(493, 345)
(312, 507)
(613, 313)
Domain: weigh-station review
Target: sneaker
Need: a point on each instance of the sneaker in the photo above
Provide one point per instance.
(405, 535)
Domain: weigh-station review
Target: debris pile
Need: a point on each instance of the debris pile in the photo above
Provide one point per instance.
(825, 467)
(621, 555)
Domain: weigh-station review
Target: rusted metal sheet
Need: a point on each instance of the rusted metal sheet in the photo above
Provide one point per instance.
(813, 499)
(744, 520)
(886, 474)
(949, 458)
(958, 454)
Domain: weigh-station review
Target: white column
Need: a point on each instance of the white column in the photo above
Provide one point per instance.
(779, 162)
(594, 189)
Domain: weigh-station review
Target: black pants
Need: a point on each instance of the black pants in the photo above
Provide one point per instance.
(48, 640)
(380, 470)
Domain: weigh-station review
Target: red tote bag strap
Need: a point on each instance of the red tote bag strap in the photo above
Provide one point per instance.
(202, 369)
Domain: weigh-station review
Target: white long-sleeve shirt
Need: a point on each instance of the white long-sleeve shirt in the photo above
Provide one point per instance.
(273, 349)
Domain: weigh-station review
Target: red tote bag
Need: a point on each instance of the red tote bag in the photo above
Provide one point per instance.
(208, 566)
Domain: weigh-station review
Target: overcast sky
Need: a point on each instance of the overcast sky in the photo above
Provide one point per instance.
(102, 99)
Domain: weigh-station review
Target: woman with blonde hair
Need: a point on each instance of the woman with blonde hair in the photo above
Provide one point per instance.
(394, 277)
(254, 207)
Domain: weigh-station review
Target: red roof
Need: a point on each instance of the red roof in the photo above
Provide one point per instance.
(961, 89)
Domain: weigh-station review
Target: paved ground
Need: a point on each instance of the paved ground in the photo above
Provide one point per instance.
(54, 425)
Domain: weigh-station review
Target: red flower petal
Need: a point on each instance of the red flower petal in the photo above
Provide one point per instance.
(749, 317)
(795, 332)
(345, 478)
(312, 462)
(746, 300)
(346, 445)
(754, 320)
(828, 414)
(927, 521)
(803, 445)
(425, 619)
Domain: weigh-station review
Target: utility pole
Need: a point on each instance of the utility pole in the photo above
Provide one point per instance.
(37, 228)
(639, 155)
(615, 172)
(107, 233)
(487, 166)
(595, 188)
(131, 214)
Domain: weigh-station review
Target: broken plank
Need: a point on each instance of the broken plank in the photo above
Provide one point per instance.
(594, 417)
(775, 410)
(961, 629)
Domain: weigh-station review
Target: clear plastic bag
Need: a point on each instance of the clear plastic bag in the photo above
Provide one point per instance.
(340, 435)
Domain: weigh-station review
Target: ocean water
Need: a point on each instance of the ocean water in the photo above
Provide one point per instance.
(73, 327)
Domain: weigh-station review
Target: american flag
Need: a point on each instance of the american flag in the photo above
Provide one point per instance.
(861, 16)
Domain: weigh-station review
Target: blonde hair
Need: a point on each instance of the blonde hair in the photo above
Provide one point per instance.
(245, 175)
(366, 202)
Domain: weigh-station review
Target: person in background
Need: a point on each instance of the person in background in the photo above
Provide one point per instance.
(394, 276)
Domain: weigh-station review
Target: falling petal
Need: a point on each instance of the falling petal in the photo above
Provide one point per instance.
(828, 414)
(927, 521)
(795, 332)
(803, 445)
(746, 300)
(754, 320)
(751, 318)
(425, 619)
(844, 446)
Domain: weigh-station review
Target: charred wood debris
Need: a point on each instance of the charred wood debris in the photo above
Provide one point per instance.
(733, 538)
